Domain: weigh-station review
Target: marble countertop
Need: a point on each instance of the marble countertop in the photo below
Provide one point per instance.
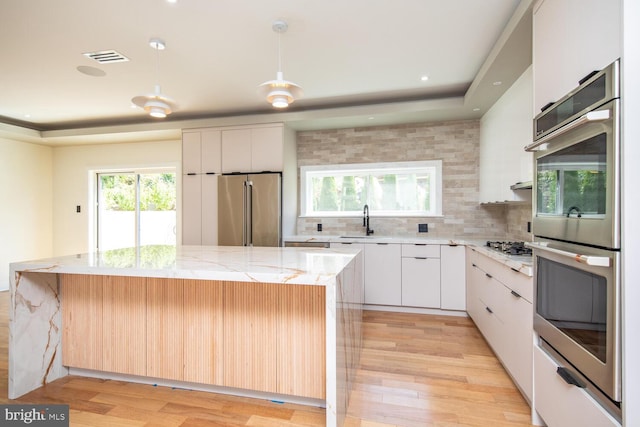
(303, 266)
(524, 264)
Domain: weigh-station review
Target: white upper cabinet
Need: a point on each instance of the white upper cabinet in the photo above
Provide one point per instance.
(572, 38)
(253, 150)
(504, 132)
(201, 152)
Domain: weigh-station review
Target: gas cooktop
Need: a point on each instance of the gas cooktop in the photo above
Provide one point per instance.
(510, 248)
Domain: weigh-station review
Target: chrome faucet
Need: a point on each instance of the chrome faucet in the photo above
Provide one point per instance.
(365, 220)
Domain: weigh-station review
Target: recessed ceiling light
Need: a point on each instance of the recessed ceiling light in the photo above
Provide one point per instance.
(172, 1)
(497, 83)
(26, 116)
(476, 109)
(424, 78)
(91, 71)
(370, 118)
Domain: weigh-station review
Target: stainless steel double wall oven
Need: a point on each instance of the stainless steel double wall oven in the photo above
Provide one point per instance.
(576, 227)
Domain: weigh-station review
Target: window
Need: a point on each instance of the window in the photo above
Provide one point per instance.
(136, 208)
(390, 189)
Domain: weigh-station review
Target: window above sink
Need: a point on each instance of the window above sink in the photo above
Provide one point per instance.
(389, 189)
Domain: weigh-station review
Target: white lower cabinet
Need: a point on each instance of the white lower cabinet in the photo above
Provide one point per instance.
(382, 273)
(503, 316)
(191, 209)
(452, 277)
(421, 276)
(560, 404)
(199, 209)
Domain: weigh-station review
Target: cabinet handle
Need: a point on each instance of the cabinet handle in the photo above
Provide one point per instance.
(381, 243)
(210, 173)
(191, 174)
(346, 243)
(488, 275)
(420, 257)
(489, 310)
(453, 245)
(515, 294)
(515, 269)
(569, 378)
(420, 244)
(473, 265)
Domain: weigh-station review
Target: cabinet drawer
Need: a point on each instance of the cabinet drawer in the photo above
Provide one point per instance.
(560, 404)
(520, 283)
(420, 251)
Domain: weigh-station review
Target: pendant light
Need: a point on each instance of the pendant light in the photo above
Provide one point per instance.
(279, 92)
(156, 104)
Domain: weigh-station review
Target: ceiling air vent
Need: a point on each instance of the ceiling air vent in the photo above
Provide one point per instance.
(106, 56)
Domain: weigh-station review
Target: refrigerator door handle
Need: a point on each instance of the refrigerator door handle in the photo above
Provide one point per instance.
(249, 212)
(244, 213)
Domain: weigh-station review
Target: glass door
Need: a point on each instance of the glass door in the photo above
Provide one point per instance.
(136, 208)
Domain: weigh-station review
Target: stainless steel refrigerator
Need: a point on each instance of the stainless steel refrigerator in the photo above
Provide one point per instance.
(250, 209)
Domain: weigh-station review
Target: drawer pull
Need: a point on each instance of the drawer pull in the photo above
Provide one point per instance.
(420, 244)
(191, 173)
(473, 265)
(488, 275)
(515, 269)
(420, 257)
(569, 378)
(346, 243)
(489, 310)
(515, 294)
(381, 243)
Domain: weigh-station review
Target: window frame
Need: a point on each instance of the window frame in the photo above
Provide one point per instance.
(434, 166)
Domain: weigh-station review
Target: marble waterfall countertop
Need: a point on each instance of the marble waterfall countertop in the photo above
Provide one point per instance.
(524, 264)
(303, 266)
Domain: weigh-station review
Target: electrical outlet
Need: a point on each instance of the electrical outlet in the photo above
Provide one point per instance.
(423, 228)
(528, 226)
(77, 208)
(319, 227)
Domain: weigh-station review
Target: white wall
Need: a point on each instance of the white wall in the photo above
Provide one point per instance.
(73, 184)
(630, 210)
(25, 204)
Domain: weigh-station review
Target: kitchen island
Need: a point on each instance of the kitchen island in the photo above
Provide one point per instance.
(274, 323)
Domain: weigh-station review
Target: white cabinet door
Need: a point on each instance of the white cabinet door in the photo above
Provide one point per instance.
(209, 210)
(191, 153)
(211, 147)
(421, 282)
(253, 150)
(560, 404)
(452, 278)
(267, 149)
(519, 334)
(572, 38)
(236, 150)
(382, 266)
(191, 209)
(504, 131)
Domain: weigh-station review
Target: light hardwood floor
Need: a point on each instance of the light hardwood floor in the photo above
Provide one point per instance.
(416, 370)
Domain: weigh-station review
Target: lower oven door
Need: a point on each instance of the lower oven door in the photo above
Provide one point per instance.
(576, 301)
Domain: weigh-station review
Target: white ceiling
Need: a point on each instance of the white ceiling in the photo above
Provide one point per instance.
(358, 61)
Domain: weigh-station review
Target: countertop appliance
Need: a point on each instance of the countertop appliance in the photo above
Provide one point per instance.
(250, 209)
(576, 228)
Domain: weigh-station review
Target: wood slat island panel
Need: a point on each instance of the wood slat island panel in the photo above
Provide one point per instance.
(124, 319)
(203, 330)
(165, 328)
(82, 308)
(255, 336)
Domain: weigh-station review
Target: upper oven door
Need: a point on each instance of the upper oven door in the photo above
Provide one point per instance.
(577, 181)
